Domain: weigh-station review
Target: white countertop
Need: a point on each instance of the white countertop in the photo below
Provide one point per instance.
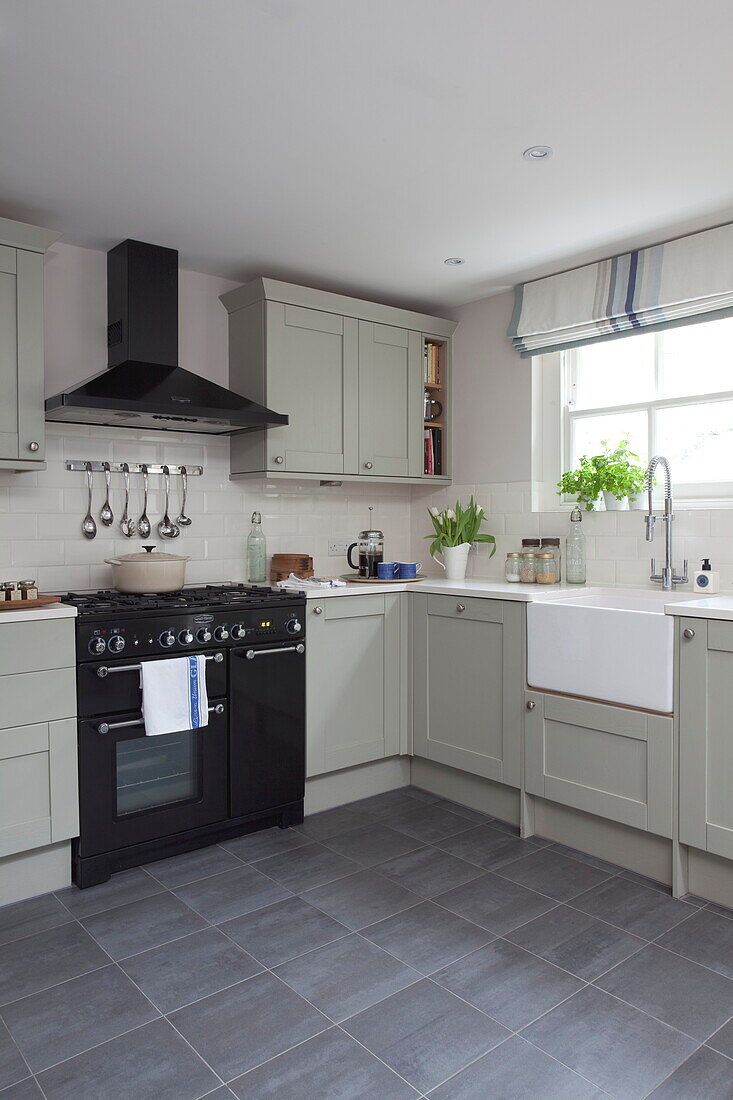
(49, 611)
(486, 589)
(711, 607)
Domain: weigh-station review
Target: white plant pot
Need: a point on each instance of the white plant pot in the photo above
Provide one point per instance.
(455, 560)
(613, 504)
(640, 504)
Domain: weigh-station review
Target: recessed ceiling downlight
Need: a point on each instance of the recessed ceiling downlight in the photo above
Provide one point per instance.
(454, 261)
(537, 152)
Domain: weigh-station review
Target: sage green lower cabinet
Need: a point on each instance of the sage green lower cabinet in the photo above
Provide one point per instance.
(613, 762)
(467, 684)
(39, 795)
(706, 735)
(355, 680)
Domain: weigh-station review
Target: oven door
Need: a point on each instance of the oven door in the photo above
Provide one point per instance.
(134, 788)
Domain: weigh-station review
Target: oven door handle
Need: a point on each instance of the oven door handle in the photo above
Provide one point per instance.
(105, 670)
(250, 654)
(107, 727)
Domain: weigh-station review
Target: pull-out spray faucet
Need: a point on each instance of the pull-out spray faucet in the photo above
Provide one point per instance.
(668, 578)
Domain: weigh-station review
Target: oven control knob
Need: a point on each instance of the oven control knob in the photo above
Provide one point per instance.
(116, 643)
(167, 639)
(97, 645)
(185, 637)
(204, 635)
(293, 626)
(238, 631)
(221, 633)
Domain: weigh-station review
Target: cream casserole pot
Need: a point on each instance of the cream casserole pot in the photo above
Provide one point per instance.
(148, 572)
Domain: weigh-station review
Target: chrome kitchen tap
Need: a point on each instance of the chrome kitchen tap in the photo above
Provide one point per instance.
(667, 577)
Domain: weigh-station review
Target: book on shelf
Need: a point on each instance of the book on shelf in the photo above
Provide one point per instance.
(432, 365)
(433, 458)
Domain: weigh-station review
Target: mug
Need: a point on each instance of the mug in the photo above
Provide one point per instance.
(408, 570)
(387, 570)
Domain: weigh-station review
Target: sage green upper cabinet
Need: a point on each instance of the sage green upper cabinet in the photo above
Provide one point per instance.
(21, 344)
(706, 735)
(348, 373)
(467, 684)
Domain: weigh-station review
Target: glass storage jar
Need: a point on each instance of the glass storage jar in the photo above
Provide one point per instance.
(545, 568)
(527, 568)
(513, 567)
(552, 545)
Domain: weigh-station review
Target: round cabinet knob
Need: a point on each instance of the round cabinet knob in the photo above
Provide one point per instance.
(368, 465)
(34, 446)
(689, 633)
(116, 643)
(317, 610)
(204, 635)
(279, 460)
(167, 639)
(221, 633)
(531, 705)
(185, 637)
(97, 645)
(293, 626)
(460, 607)
(238, 631)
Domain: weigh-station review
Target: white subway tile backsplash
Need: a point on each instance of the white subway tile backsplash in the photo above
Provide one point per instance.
(618, 548)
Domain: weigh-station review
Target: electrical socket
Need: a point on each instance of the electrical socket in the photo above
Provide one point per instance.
(337, 549)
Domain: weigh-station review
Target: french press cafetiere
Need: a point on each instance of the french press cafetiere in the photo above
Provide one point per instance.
(370, 548)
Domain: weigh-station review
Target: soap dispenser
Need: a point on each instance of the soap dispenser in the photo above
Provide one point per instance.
(705, 580)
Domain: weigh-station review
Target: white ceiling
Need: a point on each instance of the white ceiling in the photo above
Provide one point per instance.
(354, 144)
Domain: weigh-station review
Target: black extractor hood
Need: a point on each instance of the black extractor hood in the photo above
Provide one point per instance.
(143, 386)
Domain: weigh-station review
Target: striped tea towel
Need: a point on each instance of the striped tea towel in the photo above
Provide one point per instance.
(174, 695)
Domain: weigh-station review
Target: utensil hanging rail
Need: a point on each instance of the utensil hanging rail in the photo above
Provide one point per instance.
(135, 467)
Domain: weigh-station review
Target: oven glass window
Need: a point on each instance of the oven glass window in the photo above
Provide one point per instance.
(153, 772)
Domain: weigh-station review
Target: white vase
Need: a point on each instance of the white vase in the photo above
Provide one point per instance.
(455, 560)
(613, 504)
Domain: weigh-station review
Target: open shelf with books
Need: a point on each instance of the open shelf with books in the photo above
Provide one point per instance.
(435, 406)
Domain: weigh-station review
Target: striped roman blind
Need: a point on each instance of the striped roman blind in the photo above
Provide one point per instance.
(685, 280)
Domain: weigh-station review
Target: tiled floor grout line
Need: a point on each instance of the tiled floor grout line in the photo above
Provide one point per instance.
(20, 1052)
(619, 926)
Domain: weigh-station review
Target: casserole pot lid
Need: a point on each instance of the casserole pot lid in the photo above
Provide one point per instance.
(149, 556)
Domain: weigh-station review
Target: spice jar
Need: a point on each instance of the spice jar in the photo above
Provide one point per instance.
(513, 567)
(28, 590)
(552, 545)
(545, 568)
(6, 590)
(527, 568)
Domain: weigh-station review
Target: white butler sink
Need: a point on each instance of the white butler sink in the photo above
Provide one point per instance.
(616, 646)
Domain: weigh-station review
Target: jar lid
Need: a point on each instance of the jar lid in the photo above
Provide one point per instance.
(551, 542)
(530, 542)
(514, 554)
(544, 555)
(528, 554)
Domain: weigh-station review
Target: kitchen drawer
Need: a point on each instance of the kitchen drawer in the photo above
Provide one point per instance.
(485, 611)
(37, 697)
(39, 795)
(350, 607)
(36, 645)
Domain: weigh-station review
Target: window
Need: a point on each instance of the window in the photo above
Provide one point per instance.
(669, 392)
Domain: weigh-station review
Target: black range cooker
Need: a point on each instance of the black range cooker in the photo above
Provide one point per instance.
(145, 798)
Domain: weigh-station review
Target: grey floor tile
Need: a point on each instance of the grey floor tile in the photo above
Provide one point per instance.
(576, 942)
(722, 1040)
(129, 929)
(427, 937)
(586, 857)
(122, 888)
(634, 908)
(346, 976)
(306, 867)
(679, 992)
(422, 795)
(361, 899)
(41, 961)
(509, 828)
(372, 844)
(429, 871)
(82, 1013)
(705, 938)
(712, 907)
(425, 1033)
(706, 1074)
(284, 930)
(516, 1071)
(12, 1065)
(267, 842)
(24, 1090)
(429, 823)
(476, 817)
(555, 875)
(332, 822)
(495, 903)
(26, 918)
(150, 1063)
(328, 1066)
(486, 847)
(615, 1046)
(190, 968)
(178, 870)
(510, 984)
(239, 1028)
(230, 894)
(380, 806)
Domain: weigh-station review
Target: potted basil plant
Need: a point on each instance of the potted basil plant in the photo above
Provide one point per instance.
(615, 474)
(455, 531)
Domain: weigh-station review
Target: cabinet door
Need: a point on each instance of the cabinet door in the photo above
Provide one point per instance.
(312, 372)
(21, 355)
(467, 691)
(39, 798)
(706, 735)
(353, 681)
(610, 761)
(9, 446)
(390, 395)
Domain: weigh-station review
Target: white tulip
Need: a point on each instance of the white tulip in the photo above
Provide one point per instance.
(450, 514)
(434, 511)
